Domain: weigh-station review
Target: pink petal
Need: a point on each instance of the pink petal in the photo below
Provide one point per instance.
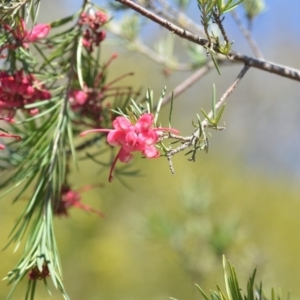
(131, 138)
(78, 97)
(144, 122)
(149, 137)
(151, 152)
(38, 32)
(116, 137)
(121, 123)
(125, 156)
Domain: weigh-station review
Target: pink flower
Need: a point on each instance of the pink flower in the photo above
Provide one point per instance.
(70, 198)
(78, 98)
(141, 137)
(39, 31)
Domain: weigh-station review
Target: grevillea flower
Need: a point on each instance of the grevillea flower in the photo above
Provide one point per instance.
(70, 198)
(78, 98)
(38, 32)
(23, 37)
(36, 274)
(141, 137)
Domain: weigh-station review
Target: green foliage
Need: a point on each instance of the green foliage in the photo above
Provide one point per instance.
(130, 27)
(253, 8)
(227, 6)
(189, 230)
(233, 290)
(208, 6)
(214, 118)
(212, 11)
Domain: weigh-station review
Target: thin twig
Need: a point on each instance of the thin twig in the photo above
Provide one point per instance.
(191, 140)
(218, 21)
(247, 35)
(137, 45)
(255, 63)
(227, 93)
(188, 82)
(177, 17)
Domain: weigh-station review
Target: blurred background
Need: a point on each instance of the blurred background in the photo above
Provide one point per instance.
(163, 233)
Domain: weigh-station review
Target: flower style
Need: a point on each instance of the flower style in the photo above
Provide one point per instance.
(141, 137)
(19, 89)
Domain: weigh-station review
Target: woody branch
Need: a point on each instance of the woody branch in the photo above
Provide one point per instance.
(232, 55)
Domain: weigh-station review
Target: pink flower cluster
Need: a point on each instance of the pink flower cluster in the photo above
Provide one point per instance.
(19, 89)
(141, 137)
(92, 34)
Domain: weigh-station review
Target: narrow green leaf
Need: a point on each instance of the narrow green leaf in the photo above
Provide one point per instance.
(149, 100)
(63, 21)
(47, 287)
(159, 104)
(208, 118)
(230, 6)
(200, 126)
(136, 109)
(215, 63)
(220, 114)
(202, 292)
(213, 106)
(43, 113)
(220, 5)
(226, 280)
(28, 289)
(273, 297)
(79, 62)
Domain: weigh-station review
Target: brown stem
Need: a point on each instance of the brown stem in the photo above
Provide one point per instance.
(188, 82)
(247, 35)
